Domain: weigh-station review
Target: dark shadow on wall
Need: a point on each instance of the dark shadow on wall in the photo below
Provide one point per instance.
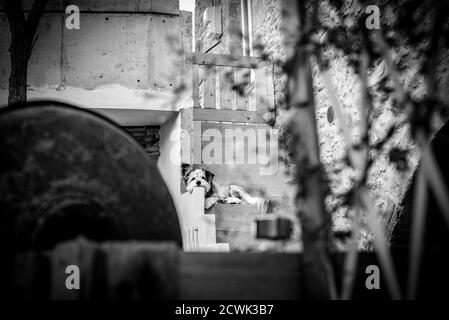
(436, 229)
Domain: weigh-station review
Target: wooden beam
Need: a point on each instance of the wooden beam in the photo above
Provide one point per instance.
(236, 116)
(264, 89)
(225, 60)
(239, 276)
(210, 88)
(226, 77)
(241, 76)
(196, 142)
(196, 85)
(166, 8)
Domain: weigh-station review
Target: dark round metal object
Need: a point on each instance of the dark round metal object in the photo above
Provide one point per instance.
(66, 171)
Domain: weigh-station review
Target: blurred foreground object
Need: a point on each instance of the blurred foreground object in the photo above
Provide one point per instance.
(67, 172)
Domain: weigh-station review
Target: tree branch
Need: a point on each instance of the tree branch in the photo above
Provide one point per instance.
(16, 18)
(22, 42)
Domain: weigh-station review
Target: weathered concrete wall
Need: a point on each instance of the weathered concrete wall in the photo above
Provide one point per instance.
(126, 54)
(155, 6)
(186, 23)
(169, 162)
(386, 183)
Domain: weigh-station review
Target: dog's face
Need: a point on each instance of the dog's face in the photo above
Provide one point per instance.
(196, 178)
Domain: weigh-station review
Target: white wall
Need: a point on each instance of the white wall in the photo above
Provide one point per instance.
(169, 162)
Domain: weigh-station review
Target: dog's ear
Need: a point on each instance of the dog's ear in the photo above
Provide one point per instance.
(209, 176)
(186, 169)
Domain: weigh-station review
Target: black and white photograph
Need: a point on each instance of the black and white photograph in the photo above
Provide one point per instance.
(208, 151)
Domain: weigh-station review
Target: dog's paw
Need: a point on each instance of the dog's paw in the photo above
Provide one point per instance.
(233, 200)
(209, 203)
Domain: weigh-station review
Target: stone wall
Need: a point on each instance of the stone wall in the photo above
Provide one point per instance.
(185, 20)
(386, 183)
(267, 34)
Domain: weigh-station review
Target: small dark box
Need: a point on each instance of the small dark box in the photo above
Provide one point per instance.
(274, 229)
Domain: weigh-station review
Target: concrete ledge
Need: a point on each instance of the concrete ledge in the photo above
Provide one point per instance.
(127, 107)
(134, 6)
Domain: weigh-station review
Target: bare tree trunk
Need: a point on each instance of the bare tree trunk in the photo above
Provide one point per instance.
(18, 76)
(22, 41)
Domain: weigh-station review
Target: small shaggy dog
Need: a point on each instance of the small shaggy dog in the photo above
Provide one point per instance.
(214, 193)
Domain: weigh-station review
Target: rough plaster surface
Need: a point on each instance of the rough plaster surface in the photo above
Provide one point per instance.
(267, 19)
(386, 183)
